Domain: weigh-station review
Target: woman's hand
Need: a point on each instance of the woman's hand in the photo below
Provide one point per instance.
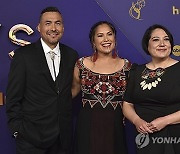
(130, 114)
(142, 126)
(158, 124)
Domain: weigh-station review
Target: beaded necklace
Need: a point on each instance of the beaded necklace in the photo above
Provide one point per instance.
(151, 78)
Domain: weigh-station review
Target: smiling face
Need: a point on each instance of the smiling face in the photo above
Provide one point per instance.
(51, 28)
(104, 39)
(159, 45)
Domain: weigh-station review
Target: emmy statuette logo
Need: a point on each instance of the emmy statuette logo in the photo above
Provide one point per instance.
(135, 10)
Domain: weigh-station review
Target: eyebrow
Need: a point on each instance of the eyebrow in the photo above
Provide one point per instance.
(106, 33)
(53, 21)
(159, 37)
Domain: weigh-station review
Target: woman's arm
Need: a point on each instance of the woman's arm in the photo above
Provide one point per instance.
(130, 114)
(161, 122)
(76, 84)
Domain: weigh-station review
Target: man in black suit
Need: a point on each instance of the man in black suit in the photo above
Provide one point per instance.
(39, 99)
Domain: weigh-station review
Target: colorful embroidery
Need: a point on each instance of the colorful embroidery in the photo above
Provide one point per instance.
(102, 88)
(151, 78)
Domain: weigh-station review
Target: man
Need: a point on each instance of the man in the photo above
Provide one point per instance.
(39, 106)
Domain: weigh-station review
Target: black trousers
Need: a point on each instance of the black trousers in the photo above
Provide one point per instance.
(24, 147)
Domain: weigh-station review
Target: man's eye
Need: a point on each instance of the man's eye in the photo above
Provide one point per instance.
(47, 23)
(58, 23)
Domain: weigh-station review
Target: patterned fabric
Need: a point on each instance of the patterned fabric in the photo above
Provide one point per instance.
(103, 88)
(151, 78)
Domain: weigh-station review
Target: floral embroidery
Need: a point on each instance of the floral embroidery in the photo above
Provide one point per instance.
(102, 88)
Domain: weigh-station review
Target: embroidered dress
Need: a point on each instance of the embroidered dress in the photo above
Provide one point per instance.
(158, 100)
(100, 121)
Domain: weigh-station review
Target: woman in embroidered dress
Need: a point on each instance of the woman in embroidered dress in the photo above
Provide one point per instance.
(152, 98)
(102, 79)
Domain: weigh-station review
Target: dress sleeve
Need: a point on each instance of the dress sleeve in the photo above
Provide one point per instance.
(128, 96)
(80, 66)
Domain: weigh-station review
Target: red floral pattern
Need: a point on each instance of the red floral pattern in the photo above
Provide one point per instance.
(103, 88)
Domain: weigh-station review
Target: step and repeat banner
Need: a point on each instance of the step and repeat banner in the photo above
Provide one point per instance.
(133, 17)
(18, 22)
(19, 19)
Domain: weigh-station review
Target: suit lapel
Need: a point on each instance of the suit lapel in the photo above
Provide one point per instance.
(62, 68)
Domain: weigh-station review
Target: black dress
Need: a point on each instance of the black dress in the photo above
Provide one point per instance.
(156, 93)
(100, 127)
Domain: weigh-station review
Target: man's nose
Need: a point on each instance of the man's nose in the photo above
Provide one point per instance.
(53, 27)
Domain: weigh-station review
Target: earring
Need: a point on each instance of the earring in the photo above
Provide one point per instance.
(114, 55)
(94, 56)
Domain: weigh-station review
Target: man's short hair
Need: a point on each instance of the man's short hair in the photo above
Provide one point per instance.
(49, 9)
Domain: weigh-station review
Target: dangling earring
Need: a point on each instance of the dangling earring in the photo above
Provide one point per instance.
(114, 55)
(94, 56)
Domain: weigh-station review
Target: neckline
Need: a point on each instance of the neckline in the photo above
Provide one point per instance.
(161, 67)
(103, 73)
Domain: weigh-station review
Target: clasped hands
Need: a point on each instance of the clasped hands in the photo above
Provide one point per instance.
(150, 127)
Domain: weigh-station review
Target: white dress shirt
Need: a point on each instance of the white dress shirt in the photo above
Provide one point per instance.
(57, 58)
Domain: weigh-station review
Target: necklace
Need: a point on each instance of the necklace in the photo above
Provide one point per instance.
(151, 78)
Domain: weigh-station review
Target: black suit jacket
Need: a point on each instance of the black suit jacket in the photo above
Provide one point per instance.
(38, 108)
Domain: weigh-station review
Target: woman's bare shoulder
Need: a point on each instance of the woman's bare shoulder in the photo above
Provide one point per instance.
(88, 61)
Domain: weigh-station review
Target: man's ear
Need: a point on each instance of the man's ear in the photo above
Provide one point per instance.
(38, 27)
